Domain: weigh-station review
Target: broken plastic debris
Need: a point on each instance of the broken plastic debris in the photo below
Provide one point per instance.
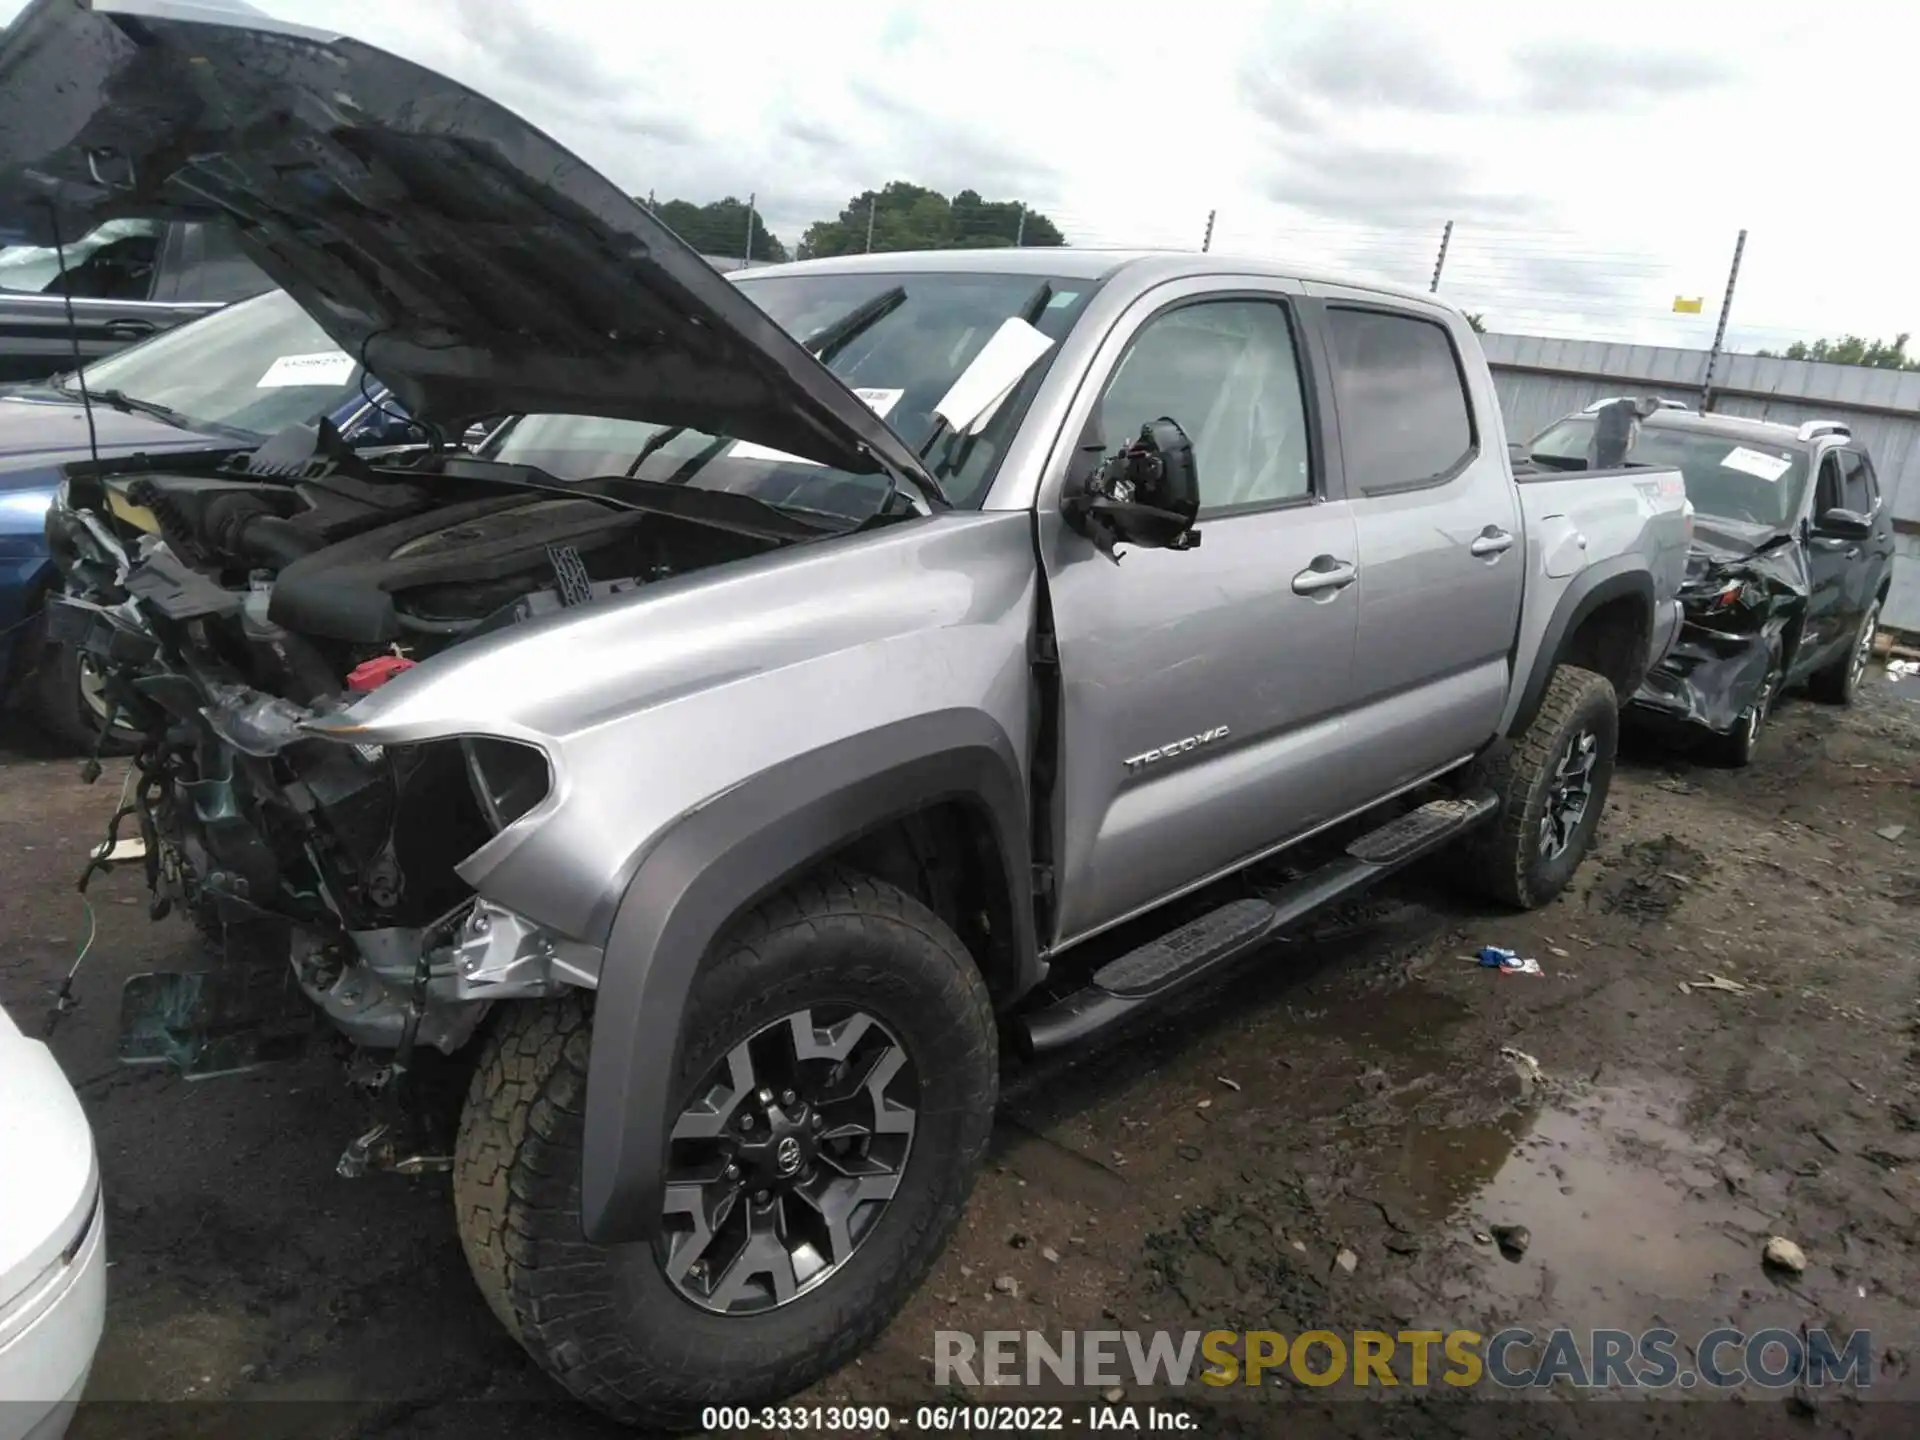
(130, 848)
(1507, 962)
(1713, 982)
(1526, 1062)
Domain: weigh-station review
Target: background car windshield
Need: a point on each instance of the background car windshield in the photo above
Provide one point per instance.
(904, 362)
(1726, 476)
(257, 366)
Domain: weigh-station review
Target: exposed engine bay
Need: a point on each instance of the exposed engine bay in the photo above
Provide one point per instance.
(229, 601)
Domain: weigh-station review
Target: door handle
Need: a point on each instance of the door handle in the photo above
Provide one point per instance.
(128, 329)
(1491, 541)
(1326, 574)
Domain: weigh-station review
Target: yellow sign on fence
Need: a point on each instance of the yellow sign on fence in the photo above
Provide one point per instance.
(1684, 306)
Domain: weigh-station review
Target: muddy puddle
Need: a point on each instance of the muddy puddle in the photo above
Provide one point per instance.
(1621, 1205)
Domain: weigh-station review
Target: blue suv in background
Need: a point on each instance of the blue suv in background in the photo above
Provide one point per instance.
(231, 379)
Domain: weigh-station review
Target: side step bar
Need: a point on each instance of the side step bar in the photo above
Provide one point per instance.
(1150, 973)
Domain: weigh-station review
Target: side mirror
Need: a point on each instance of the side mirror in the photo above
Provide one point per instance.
(1146, 494)
(1843, 525)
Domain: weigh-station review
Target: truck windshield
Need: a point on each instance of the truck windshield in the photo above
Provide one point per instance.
(897, 340)
(255, 367)
(1727, 477)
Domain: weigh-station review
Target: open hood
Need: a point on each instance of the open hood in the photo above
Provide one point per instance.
(473, 264)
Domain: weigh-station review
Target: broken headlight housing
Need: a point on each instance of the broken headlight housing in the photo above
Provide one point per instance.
(1720, 602)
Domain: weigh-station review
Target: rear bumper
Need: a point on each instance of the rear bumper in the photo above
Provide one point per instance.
(52, 1332)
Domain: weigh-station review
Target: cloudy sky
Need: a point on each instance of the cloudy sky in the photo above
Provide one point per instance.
(1597, 162)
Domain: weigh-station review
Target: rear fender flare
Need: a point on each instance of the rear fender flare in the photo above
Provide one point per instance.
(1624, 576)
(720, 859)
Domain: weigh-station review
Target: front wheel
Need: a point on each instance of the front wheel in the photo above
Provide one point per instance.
(836, 1089)
(1839, 682)
(67, 700)
(1740, 744)
(1552, 785)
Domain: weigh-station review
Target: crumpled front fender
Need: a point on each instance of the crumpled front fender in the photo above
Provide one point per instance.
(1709, 678)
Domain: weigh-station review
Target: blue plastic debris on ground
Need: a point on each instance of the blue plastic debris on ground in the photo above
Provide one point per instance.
(1507, 962)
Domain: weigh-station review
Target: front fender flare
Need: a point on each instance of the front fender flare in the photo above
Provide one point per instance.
(720, 859)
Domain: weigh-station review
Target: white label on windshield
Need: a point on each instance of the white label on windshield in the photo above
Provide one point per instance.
(879, 401)
(328, 367)
(1001, 361)
(1753, 462)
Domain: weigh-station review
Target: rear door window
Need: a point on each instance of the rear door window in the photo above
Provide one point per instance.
(1404, 416)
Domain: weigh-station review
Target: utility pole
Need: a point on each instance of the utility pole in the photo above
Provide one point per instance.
(1206, 241)
(1440, 260)
(1720, 330)
(748, 257)
(1020, 230)
(873, 203)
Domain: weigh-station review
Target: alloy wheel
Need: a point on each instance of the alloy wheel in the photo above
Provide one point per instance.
(1569, 794)
(1863, 647)
(93, 691)
(788, 1155)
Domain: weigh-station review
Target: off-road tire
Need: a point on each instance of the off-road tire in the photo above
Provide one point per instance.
(1839, 682)
(1504, 859)
(606, 1323)
(53, 700)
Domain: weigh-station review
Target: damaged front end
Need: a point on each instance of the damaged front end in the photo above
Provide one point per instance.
(1743, 610)
(326, 872)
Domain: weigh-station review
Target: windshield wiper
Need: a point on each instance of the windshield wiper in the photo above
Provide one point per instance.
(133, 405)
(829, 340)
(128, 404)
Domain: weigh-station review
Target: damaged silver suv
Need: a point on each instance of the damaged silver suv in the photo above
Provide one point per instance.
(836, 677)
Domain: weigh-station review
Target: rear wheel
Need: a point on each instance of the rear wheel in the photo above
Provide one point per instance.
(1839, 682)
(837, 1084)
(1552, 782)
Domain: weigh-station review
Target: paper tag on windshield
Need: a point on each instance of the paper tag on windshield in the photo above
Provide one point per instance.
(878, 401)
(1756, 463)
(1001, 361)
(327, 367)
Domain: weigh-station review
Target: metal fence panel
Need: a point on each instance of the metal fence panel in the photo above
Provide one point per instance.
(1539, 380)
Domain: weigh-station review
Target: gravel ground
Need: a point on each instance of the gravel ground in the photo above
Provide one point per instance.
(1351, 1096)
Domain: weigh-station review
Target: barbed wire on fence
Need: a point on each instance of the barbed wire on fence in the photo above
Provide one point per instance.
(1555, 283)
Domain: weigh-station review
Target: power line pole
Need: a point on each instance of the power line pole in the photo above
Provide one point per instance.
(1440, 260)
(748, 257)
(1206, 241)
(1020, 230)
(873, 204)
(1720, 330)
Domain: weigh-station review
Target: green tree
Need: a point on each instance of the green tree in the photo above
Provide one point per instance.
(905, 216)
(1853, 350)
(1477, 322)
(720, 228)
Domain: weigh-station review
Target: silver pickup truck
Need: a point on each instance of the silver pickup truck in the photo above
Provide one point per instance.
(769, 730)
